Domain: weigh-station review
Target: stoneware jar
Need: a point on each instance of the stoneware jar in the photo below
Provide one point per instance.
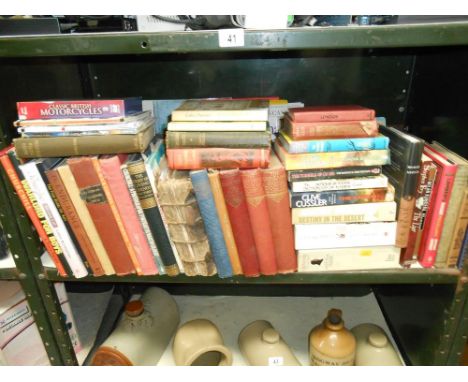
(199, 343)
(142, 333)
(330, 343)
(262, 345)
(373, 347)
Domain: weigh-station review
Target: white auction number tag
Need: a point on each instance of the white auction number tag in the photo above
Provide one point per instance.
(231, 37)
(275, 361)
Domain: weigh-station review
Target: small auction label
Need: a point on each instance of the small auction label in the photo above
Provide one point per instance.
(231, 37)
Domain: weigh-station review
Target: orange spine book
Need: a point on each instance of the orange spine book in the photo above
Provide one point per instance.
(117, 217)
(220, 203)
(260, 220)
(277, 196)
(74, 221)
(53, 248)
(92, 193)
(200, 158)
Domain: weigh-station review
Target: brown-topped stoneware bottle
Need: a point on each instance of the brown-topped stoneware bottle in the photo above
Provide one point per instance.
(330, 343)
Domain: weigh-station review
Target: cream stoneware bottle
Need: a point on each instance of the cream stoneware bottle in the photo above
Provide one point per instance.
(373, 347)
(330, 343)
(142, 333)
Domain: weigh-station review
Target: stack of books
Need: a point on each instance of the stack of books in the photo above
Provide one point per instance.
(343, 207)
(89, 190)
(219, 134)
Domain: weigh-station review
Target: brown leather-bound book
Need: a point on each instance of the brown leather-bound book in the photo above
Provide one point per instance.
(92, 193)
(74, 221)
(240, 221)
(276, 192)
(259, 220)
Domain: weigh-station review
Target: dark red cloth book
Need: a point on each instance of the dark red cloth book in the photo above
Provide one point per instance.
(331, 113)
(236, 205)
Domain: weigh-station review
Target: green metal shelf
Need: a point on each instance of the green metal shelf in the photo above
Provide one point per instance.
(8, 274)
(349, 37)
(403, 276)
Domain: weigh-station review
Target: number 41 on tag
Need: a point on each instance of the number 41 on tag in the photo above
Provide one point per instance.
(230, 37)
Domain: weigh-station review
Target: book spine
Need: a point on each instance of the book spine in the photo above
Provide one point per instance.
(334, 115)
(219, 115)
(257, 207)
(333, 145)
(333, 173)
(220, 203)
(178, 139)
(110, 168)
(194, 127)
(331, 198)
(344, 235)
(82, 145)
(71, 233)
(198, 159)
(463, 252)
(37, 216)
(329, 130)
(77, 109)
(340, 184)
(94, 197)
(438, 209)
(454, 208)
(331, 160)
(348, 259)
(427, 174)
(145, 193)
(240, 221)
(458, 232)
(73, 219)
(276, 193)
(143, 221)
(351, 213)
(35, 181)
(204, 196)
(74, 193)
(116, 215)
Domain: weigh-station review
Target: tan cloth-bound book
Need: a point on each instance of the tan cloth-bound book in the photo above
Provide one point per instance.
(216, 189)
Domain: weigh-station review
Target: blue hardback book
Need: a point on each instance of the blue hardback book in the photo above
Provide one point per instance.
(463, 251)
(380, 142)
(206, 204)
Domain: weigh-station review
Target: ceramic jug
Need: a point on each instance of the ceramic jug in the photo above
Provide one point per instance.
(262, 345)
(199, 343)
(373, 347)
(143, 332)
(330, 343)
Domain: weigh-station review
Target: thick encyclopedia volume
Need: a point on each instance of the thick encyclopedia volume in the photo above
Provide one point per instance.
(240, 221)
(344, 235)
(403, 173)
(179, 139)
(329, 130)
(331, 160)
(136, 169)
(34, 211)
(334, 173)
(102, 108)
(331, 113)
(331, 145)
(331, 198)
(201, 185)
(380, 181)
(200, 158)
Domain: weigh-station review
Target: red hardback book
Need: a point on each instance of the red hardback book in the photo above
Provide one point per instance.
(330, 130)
(331, 113)
(221, 158)
(440, 197)
(93, 195)
(74, 221)
(427, 176)
(96, 108)
(54, 252)
(259, 220)
(110, 166)
(236, 205)
(276, 191)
